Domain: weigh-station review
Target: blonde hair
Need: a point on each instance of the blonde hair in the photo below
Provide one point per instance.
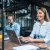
(46, 18)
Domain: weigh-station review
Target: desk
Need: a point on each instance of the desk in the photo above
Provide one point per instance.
(0, 43)
(8, 45)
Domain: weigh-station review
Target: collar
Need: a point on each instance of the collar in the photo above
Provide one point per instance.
(12, 24)
(43, 23)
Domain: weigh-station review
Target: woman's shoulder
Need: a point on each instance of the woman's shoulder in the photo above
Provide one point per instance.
(36, 23)
(48, 23)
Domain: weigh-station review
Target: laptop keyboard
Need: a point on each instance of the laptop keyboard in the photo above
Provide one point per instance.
(23, 43)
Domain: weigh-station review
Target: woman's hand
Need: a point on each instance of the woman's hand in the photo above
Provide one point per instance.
(23, 39)
(20, 37)
(29, 39)
(26, 39)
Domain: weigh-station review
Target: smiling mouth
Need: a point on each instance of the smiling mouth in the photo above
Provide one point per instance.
(39, 17)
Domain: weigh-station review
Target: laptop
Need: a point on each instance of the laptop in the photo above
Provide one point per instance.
(13, 38)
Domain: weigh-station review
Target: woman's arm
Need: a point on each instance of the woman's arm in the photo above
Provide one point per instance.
(38, 40)
(29, 39)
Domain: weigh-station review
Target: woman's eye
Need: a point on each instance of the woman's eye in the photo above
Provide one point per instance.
(39, 12)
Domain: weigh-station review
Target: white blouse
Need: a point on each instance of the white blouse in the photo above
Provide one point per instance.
(41, 31)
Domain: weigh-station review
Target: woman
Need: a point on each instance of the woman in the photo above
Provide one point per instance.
(41, 28)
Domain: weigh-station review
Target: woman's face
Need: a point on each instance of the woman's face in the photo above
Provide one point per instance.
(40, 15)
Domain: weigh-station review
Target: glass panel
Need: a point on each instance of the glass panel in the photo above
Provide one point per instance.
(21, 14)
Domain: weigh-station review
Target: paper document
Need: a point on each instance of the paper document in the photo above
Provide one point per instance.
(6, 38)
(26, 47)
